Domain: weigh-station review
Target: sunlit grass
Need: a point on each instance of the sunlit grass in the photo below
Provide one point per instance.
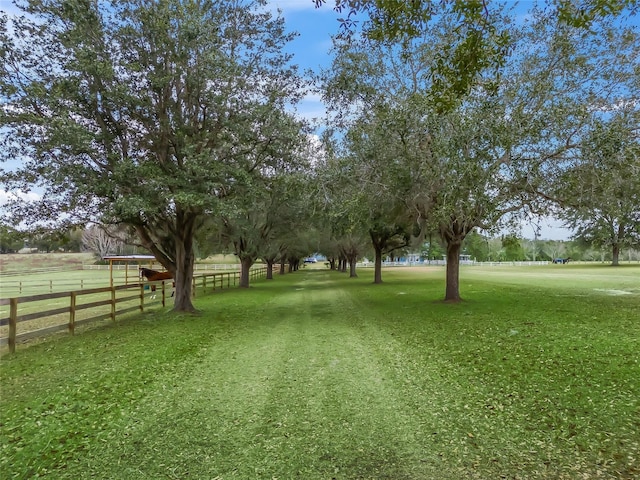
(315, 375)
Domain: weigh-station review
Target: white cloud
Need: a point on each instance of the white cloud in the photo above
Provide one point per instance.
(6, 197)
(311, 106)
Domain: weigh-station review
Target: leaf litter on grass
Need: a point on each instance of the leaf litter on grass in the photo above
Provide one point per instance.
(351, 381)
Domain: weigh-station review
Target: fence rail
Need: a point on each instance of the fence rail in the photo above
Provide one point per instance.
(99, 298)
(25, 285)
(427, 263)
(197, 267)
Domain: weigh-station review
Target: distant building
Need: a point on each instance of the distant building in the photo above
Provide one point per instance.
(464, 259)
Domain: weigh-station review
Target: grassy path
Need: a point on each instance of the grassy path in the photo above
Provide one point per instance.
(316, 376)
(313, 395)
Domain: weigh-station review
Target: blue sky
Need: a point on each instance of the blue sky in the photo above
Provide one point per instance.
(311, 47)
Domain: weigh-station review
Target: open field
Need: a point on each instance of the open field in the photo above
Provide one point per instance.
(21, 263)
(317, 376)
(31, 262)
(583, 279)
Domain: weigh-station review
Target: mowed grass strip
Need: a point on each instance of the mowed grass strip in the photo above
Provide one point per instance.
(315, 375)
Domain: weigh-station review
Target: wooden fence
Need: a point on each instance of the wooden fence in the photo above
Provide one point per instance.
(19, 284)
(105, 299)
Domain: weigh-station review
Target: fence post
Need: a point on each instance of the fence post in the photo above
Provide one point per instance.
(163, 294)
(113, 303)
(13, 321)
(142, 297)
(72, 314)
(193, 287)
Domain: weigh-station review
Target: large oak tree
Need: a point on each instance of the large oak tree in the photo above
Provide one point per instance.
(146, 113)
(494, 150)
(600, 192)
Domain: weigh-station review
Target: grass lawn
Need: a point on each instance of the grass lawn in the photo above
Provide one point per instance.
(317, 376)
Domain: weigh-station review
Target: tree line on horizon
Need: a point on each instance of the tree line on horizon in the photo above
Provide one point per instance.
(172, 122)
(480, 248)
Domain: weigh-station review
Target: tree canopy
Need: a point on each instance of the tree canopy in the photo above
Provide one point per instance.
(601, 190)
(495, 152)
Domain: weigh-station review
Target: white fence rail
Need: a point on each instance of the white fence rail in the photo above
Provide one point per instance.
(427, 263)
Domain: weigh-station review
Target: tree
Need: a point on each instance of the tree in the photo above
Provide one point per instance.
(477, 246)
(394, 17)
(48, 241)
(482, 40)
(263, 208)
(601, 191)
(292, 235)
(554, 249)
(103, 240)
(144, 113)
(373, 143)
(484, 159)
(341, 210)
(11, 240)
(432, 248)
(531, 249)
(513, 249)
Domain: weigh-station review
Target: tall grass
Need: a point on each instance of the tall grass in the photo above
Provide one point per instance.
(315, 375)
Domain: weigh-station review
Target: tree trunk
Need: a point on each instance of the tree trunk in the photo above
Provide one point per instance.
(180, 266)
(377, 274)
(282, 266)
(269, 269)
(343, 264)
(245, 266)
(615, 255)
(453, 271)
(183, 275)
(352, 266)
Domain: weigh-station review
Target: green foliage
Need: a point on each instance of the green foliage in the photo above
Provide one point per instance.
(601, 191)
(477, 246)
(11, 240)
(495, 153)
(585, 14)
(482, 39)
(144, 113)
(512, 248)
(433, 249)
